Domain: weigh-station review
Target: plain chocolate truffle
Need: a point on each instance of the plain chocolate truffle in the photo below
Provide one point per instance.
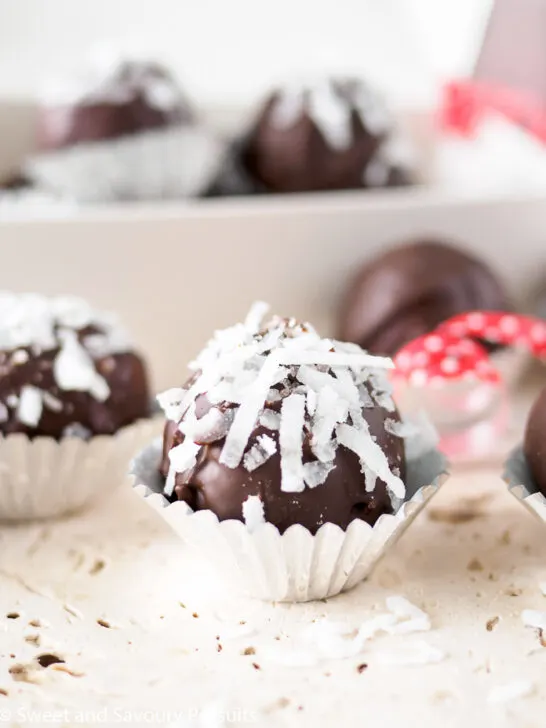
(409, 290)
(534, 444)
(66, 369)
(320, 448)
(331, 136)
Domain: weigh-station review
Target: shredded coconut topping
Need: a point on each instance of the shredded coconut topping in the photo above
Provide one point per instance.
(331, 105)
(253, 512)
(307, 392)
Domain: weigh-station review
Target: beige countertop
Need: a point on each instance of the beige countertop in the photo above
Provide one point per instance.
(170, 640)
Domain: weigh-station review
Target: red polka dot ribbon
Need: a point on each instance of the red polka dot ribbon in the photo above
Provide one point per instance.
(453, 351)
(465, 103)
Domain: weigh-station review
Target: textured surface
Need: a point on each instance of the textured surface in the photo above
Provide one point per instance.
(473, 555)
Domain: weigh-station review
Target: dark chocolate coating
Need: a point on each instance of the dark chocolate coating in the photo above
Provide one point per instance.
(341, 499)
(408, 291)
(299, 159)
(125, 374)
(534, 444)
(97, 120)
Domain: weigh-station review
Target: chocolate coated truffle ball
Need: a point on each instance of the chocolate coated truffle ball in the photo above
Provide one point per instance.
(299, 442)
(410, 290)
(534, 444)
(333, 136)
(66, 369)
(126, 98)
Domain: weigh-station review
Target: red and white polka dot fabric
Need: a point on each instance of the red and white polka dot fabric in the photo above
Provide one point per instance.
(453, 350)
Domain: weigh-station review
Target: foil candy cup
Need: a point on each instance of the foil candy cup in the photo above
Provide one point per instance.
(174, 163)
(45, 478)
(517, 475)
(295, 566)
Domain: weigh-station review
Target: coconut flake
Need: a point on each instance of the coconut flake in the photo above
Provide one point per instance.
(330, 410)
(253, 512)
(210, 428)
(75, 429)
(316, 473)
(51, 402)
(334, 359)
(247, 414)
(184, 456)
(12, 400)
(534, 618)
(74, 370)
(254, 318)
(291, 443)
(259, 453)
(510, 691)
(416, 653)
(269, 419)
(170, 402)
(30, 406)
(371, 455)
(401, 429)
(412, 619)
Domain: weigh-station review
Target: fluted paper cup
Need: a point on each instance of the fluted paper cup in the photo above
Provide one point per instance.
(295, 566)
(45, 478)
(522, 485)
(174, 163)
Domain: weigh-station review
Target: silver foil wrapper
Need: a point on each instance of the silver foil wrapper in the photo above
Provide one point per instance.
(295, 566)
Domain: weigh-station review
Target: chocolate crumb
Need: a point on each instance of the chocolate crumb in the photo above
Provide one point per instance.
(514, 591)
(47, 659)
(181, 604)
(256, 666)
(249, 651)
(506, 538)
(217, 637)
(475, 565)
(36, 623)
(4, 692)
(360, 668)
(492, 623)
(12, 656)
(104, 623)
(98, 566)
(219, 647)
(12, 615)
(33, 639)
(541, 637)
(242, 622)
(195, 615)
(277, 637)
(492, 577)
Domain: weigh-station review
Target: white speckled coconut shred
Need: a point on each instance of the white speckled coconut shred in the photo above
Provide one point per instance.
(319, 385)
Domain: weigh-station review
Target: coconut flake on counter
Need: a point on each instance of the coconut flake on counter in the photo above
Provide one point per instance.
(533, 618)
(417, 653)
(510, 691)
(251, 367)
(253, 512)
(259, 453)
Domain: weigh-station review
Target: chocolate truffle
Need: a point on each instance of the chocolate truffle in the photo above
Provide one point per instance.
(126, 98)
(534, 445)
(282, 426)
(411, 289)
(333, 136)
(66, 369)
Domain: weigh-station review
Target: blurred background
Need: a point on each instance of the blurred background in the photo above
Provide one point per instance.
(229, 52)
